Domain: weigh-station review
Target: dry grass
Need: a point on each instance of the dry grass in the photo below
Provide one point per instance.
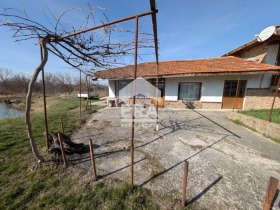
(50, 186)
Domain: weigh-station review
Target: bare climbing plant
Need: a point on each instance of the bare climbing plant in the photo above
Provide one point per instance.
(87, 50)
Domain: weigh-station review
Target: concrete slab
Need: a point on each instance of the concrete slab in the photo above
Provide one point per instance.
(229, 165)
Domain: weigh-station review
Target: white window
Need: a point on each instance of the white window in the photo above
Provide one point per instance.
(189, 90)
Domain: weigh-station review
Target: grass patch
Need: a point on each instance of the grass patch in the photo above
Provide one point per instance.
(263, 114)
(19, 185)
(48, 187)
(238, 122)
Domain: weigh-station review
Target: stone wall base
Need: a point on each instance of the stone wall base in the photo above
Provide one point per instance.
(138, 102)
(211, 105)
(266, 128)
(195, 104)
(260, 99)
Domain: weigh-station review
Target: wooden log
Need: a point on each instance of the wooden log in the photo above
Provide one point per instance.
(185, 179)
(270, 192)
(62, 149)
(92, 159)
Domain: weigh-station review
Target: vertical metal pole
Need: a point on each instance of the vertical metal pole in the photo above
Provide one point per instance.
(80, 97)
(61, 125)
(275, 95)
(45, 103)
(62, 149)
(92, 159)
(133, 101)
(157, 95)
(154, 21)
(236, 93)
(185, 179)
(87, 91)
(89, 83)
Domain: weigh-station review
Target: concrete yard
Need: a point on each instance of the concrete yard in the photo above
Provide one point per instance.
(229, 165)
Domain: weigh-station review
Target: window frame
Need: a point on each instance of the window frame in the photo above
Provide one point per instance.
(117, 86)
(199, 91)
(238, 88)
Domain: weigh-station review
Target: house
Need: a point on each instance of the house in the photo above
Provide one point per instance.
(243, 78)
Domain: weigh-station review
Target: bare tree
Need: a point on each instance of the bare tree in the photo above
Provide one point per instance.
(19, 83)
(50, 83)
(81, 48)
(66, 82)
(5, 80)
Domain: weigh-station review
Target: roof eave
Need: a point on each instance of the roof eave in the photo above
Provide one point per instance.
(200, 74)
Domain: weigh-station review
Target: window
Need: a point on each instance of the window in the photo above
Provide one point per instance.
(120, 84)
(230, 88)
(274, 80)
(161, 85)
(189, 90)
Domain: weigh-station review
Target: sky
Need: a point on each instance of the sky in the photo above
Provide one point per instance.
(187, 29)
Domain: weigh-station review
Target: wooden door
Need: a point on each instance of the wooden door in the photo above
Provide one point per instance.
(234, 92)
(161, 87)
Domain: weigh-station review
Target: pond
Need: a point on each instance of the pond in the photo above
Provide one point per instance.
(8, 111)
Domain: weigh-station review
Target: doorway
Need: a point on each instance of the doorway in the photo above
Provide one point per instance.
(161, 87)
(234, 93)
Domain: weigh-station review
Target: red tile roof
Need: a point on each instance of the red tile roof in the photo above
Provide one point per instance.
(221, 65)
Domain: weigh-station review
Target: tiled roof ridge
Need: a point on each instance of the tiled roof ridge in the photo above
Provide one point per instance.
(186, 60)
(229, 64)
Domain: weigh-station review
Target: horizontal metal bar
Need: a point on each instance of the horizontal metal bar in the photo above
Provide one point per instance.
(107, 24)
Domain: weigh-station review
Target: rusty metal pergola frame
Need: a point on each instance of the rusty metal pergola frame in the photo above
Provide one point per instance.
(153, 13)
(274, 98)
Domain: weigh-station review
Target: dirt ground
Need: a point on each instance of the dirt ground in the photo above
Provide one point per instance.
(229, 165)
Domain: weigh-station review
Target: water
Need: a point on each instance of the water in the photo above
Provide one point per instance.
(8, 111)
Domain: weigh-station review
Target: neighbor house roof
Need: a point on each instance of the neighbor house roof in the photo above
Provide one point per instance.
(253, 43)
(221, 65)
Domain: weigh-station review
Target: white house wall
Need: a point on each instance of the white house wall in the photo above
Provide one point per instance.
(111, 89)
(272, 53)
(213, 86)
(259, 81)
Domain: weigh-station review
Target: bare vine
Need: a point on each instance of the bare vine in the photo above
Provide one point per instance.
(98, 49)
(43, 43)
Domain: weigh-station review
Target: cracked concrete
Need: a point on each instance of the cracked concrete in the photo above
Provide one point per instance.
(229, 165)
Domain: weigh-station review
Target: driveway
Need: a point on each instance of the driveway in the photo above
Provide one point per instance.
(229, 165)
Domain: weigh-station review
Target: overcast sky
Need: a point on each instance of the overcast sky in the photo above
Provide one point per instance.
(187, 29)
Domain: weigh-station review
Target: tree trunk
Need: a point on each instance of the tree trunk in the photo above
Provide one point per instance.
(43, 43)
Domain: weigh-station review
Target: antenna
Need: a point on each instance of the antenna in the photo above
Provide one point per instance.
(266, 33)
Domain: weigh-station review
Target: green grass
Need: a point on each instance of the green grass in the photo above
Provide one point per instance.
(19, 185)
(238, 122)
(263, 114)
(50, 187)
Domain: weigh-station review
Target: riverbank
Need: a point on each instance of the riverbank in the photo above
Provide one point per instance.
(8, 111)
(16, 101)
